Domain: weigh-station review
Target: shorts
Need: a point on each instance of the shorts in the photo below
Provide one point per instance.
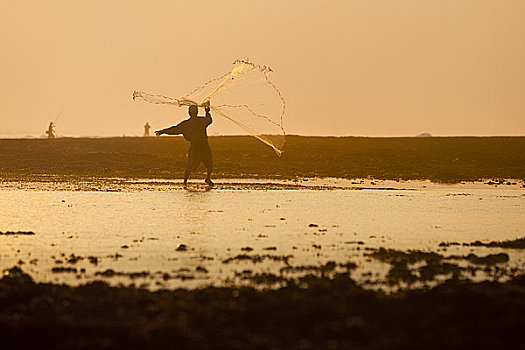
(197, 155)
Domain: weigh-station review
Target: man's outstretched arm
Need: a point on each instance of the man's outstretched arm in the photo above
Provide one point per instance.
(173, 130)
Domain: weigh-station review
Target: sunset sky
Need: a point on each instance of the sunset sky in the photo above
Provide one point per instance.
(373, 68)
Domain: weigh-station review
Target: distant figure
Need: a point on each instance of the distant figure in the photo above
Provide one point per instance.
(51, 131)
(146, 129)
(194, 130)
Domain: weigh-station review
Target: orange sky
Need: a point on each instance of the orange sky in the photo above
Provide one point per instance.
(377, 68)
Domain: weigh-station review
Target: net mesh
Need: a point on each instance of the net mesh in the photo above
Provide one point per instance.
(245, 96)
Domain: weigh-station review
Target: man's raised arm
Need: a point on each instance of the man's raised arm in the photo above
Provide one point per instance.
(208, 115)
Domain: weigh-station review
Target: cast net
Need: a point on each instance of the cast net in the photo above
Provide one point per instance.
(245, 96)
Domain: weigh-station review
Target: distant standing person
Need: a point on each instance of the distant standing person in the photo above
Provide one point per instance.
(51, 131)
(194, 130)
(146, 129)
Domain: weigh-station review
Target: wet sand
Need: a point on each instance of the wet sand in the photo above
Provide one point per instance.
(445, 262)
(260, 233)
(452, 293)
(441, 159)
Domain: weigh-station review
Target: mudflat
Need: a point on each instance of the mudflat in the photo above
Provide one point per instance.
(82, 211)
(440, 159)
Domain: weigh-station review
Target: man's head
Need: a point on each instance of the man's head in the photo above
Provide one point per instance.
(193, 110)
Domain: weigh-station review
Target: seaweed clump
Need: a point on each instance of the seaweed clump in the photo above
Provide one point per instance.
(417, 266)
(518, 243)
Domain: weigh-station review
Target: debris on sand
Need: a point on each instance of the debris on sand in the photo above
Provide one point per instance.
(449, 244)
(12, 233)
(296, 275)
(73, 259)
(61, 269)
(518, 243)
(93, 260)
(355, 242)
(328, 267)
(116, 256)
(490, 259)
(515, 243)
(107, 273)
(258, 258)
(349, 265)
(264, 278)
(201, 269)
(182, 274)
(410, 257)
(133, 275)
(406, 266)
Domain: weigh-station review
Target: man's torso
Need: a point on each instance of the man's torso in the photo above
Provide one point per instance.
(195, 131)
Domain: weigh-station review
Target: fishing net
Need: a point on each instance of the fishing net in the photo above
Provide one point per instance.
(245, 96)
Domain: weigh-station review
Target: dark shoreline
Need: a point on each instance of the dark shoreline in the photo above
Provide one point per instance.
(330, 314)
(440, 159)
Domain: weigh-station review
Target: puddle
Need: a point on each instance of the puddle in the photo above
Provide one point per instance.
(156, 234)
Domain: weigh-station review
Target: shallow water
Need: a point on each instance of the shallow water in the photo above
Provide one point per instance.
(136, 226)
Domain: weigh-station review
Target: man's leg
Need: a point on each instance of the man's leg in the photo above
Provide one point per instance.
(208, 176)
(208, 162)
(190, 165)
(186, 176)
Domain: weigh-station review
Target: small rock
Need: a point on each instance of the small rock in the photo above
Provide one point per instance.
(181, 247)
(201, 269)
(107, 273)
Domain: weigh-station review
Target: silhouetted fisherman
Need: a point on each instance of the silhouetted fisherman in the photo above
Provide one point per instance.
(194, 130)
(51, 131)
(146, 129)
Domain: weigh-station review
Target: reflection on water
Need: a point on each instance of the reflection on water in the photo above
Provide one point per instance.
(139, 229)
